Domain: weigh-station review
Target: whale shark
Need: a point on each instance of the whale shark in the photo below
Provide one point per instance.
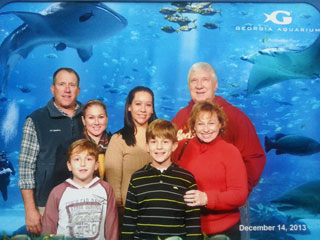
(274, 65)
(300, 202)
(73, 25)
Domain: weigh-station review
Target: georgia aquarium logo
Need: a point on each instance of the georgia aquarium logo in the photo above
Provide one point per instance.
(277, 17)
(281, 19)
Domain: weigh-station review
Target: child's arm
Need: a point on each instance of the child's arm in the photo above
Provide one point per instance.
(51, 214)
(192, 218)
(131, 213)
(111, 230)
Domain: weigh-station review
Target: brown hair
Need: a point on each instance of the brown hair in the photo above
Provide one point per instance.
(69, 70)
(92, 103)
(210, 108)
(129, 129)
(161, 128)
(81, 146)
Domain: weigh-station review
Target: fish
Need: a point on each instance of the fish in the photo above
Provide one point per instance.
(186, 28)
(187, 9)
(210, 25)
(60, 46)
(106, 86)
(208, 11)
(292, 144)
(24, 89)
(182, 21)
(180, 4)
(77, 25)
(301, 202)
(203, 8)
(168, 29)
(284, 103)
(167, 11)
(85, 17)
(201, 5)
(272, 66)
(114, 91)
(306, 16)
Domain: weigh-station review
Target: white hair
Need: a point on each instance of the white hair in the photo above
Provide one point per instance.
(203, 66)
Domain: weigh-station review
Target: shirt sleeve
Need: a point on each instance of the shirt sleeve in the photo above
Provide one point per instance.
(113, 161)
(192, 219)
(131, 214)
(28, 156)
(111, 224)
(247, 141)
(51, 214)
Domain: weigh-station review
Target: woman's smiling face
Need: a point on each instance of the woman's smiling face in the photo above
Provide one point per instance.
(207, 126)
(95, 120)
(141, 108)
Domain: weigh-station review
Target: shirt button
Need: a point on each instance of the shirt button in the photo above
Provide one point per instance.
(161, 181)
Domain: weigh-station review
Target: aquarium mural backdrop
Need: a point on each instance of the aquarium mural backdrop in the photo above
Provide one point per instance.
(267, 60)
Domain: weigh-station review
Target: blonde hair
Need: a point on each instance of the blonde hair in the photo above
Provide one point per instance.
(163, 129)
(93, 102)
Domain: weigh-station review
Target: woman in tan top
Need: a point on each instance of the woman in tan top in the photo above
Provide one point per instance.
(127, 151)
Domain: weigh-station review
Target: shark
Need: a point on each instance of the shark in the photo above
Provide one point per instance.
(275, 65)
(74, 25)
(301, 202)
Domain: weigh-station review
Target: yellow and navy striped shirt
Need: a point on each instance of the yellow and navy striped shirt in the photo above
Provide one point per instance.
(155, 208)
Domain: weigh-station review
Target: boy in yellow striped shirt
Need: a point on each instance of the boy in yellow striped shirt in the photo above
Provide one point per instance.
(155, 208)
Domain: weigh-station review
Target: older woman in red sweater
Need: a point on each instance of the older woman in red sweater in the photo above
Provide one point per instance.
(218, 169)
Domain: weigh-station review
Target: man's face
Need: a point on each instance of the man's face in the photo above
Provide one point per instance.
(65, 90)
(202, 85)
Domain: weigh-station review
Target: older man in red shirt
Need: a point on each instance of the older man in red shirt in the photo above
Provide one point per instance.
(203, 83)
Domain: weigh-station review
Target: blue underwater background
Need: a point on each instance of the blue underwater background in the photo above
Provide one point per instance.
(143, 54)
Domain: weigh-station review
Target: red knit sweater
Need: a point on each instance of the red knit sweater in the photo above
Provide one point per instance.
(220, 173)
(240, 132)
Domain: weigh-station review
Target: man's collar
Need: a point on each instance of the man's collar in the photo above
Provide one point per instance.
(55, 111)
(63, 113)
